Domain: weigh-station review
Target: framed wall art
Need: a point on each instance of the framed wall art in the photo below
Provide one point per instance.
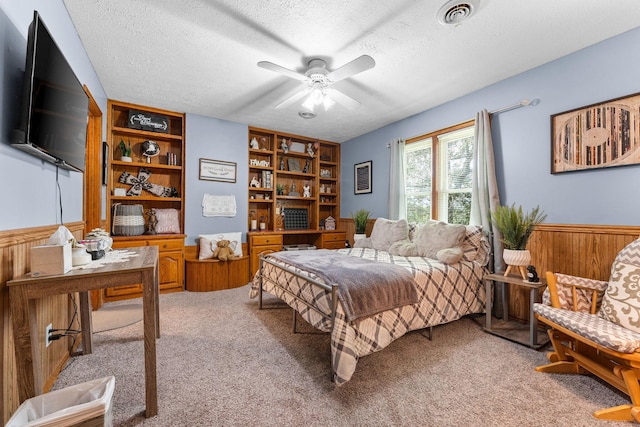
(596, 136)
(105, 162)
(362, 178)
(217, 170)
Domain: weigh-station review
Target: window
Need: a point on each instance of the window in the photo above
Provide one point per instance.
(438, 175)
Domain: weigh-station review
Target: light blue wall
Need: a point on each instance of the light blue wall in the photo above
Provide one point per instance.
(215, 139)
(29, 191)
(521, 138)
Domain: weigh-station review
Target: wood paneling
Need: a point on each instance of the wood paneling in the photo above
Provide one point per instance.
(14, 259)
(579, 250)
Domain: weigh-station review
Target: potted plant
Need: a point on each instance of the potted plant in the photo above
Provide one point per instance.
(516, 227)
(360, 218)
(126, 151)
(280, 189)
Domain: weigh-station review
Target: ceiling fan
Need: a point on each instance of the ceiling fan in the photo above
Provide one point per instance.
(318, 79)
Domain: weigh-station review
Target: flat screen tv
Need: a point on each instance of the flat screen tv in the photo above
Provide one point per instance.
(55, 107)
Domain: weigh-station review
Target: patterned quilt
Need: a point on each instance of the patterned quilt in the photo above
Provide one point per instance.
(445, 293)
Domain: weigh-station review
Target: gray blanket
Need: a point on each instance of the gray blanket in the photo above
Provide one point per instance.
(364, 287)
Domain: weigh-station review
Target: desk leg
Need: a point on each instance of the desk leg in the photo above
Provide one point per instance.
(488, 302)
(25, 340)
(533, 321)
(150, 304)
(505, 301)
(85, 322)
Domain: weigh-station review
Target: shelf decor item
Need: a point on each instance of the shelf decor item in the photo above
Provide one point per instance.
(128, 220)
(516, 227)
(126, 151)
(144, 120)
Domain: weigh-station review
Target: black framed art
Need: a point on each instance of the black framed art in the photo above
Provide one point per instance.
(362, 178)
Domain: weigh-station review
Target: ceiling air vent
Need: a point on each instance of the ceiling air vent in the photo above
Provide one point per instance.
(455, 12)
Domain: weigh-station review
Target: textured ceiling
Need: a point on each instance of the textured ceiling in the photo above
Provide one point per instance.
(200, 56)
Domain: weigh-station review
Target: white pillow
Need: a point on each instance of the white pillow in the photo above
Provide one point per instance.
(208, 243)
(621, 301)
(431, 238)
(386, 232)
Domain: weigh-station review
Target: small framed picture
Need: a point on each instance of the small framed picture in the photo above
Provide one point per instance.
(217, 170)
(362, 178)
(105, 162)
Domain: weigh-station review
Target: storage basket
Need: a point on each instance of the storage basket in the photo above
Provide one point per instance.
(128, 220)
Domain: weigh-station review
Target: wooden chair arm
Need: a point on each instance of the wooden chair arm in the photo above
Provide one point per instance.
(591, 289)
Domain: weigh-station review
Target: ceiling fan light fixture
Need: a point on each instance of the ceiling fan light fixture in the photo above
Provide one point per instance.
(327, 102)
(455, 12)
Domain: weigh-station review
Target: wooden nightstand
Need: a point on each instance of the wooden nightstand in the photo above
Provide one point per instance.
(505, 328)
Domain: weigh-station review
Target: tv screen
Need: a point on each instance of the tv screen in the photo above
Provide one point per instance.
(55, 106)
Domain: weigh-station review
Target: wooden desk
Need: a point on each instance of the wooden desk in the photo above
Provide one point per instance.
(509, 329)
(23, 290)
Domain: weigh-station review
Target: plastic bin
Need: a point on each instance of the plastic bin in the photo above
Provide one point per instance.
(301, 247)
(87, 404)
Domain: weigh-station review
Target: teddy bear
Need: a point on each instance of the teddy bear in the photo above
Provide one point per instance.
(223, 252)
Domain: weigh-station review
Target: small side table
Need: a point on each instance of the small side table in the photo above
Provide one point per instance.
(511, 330)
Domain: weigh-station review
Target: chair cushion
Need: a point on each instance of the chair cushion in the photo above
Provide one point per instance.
(621, 301)
(592, 327)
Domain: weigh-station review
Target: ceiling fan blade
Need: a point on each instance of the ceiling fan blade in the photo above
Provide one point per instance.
(278, 69)
(342, 99)
(356, 66)
(293, 98)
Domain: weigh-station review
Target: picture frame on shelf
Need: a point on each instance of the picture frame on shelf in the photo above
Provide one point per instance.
(217, 170)
(362, 178)
(596, 136)
(294, 165)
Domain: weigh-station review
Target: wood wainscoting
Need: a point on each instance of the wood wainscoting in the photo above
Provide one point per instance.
(578, 250)
(15, 260)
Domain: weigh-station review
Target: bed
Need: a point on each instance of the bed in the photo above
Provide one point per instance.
(447, 289)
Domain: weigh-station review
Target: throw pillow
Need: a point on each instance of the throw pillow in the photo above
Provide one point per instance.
(168, 221)
(433, 237)
(621, 301)
(449, 255)
(404, 248)
(386, 232)
(209, 242)
(363, 243)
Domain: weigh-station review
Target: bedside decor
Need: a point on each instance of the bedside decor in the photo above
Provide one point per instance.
(596, 136)
(516, 228)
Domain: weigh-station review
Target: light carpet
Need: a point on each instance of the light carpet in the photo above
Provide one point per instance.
(114, 316)
(223, 362)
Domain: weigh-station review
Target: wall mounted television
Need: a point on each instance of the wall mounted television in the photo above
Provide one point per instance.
(55, 107)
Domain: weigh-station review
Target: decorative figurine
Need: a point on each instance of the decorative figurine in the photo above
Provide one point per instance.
(310, 150)
(152, 219)
(281, 163)
(284, 146)
(306, 191)
(306, 167)
(293, 192)
(254, 144)
(532, 274)
(254, 183)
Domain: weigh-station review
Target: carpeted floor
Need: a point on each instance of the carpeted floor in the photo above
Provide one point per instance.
(223, 362)
(114, 316)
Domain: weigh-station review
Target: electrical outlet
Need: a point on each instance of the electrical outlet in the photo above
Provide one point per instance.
(47, 334)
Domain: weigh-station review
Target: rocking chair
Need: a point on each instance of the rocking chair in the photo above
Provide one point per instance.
(595, 328)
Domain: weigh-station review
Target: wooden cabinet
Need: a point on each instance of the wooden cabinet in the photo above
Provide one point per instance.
(170, 265)
(134, 125)
(259, 244)
(331, 240)
(278, 159)
(213, 275)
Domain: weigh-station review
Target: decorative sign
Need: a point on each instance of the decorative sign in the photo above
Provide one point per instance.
(217, 170)
(147, 121)
(597, 136)
(362, 178)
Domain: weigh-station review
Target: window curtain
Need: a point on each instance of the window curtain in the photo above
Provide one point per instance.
(484, 193)
(397, 202)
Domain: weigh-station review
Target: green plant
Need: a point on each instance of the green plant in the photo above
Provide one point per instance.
(360, 219)
(126, 149)
(515, 225)
(280, 188)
